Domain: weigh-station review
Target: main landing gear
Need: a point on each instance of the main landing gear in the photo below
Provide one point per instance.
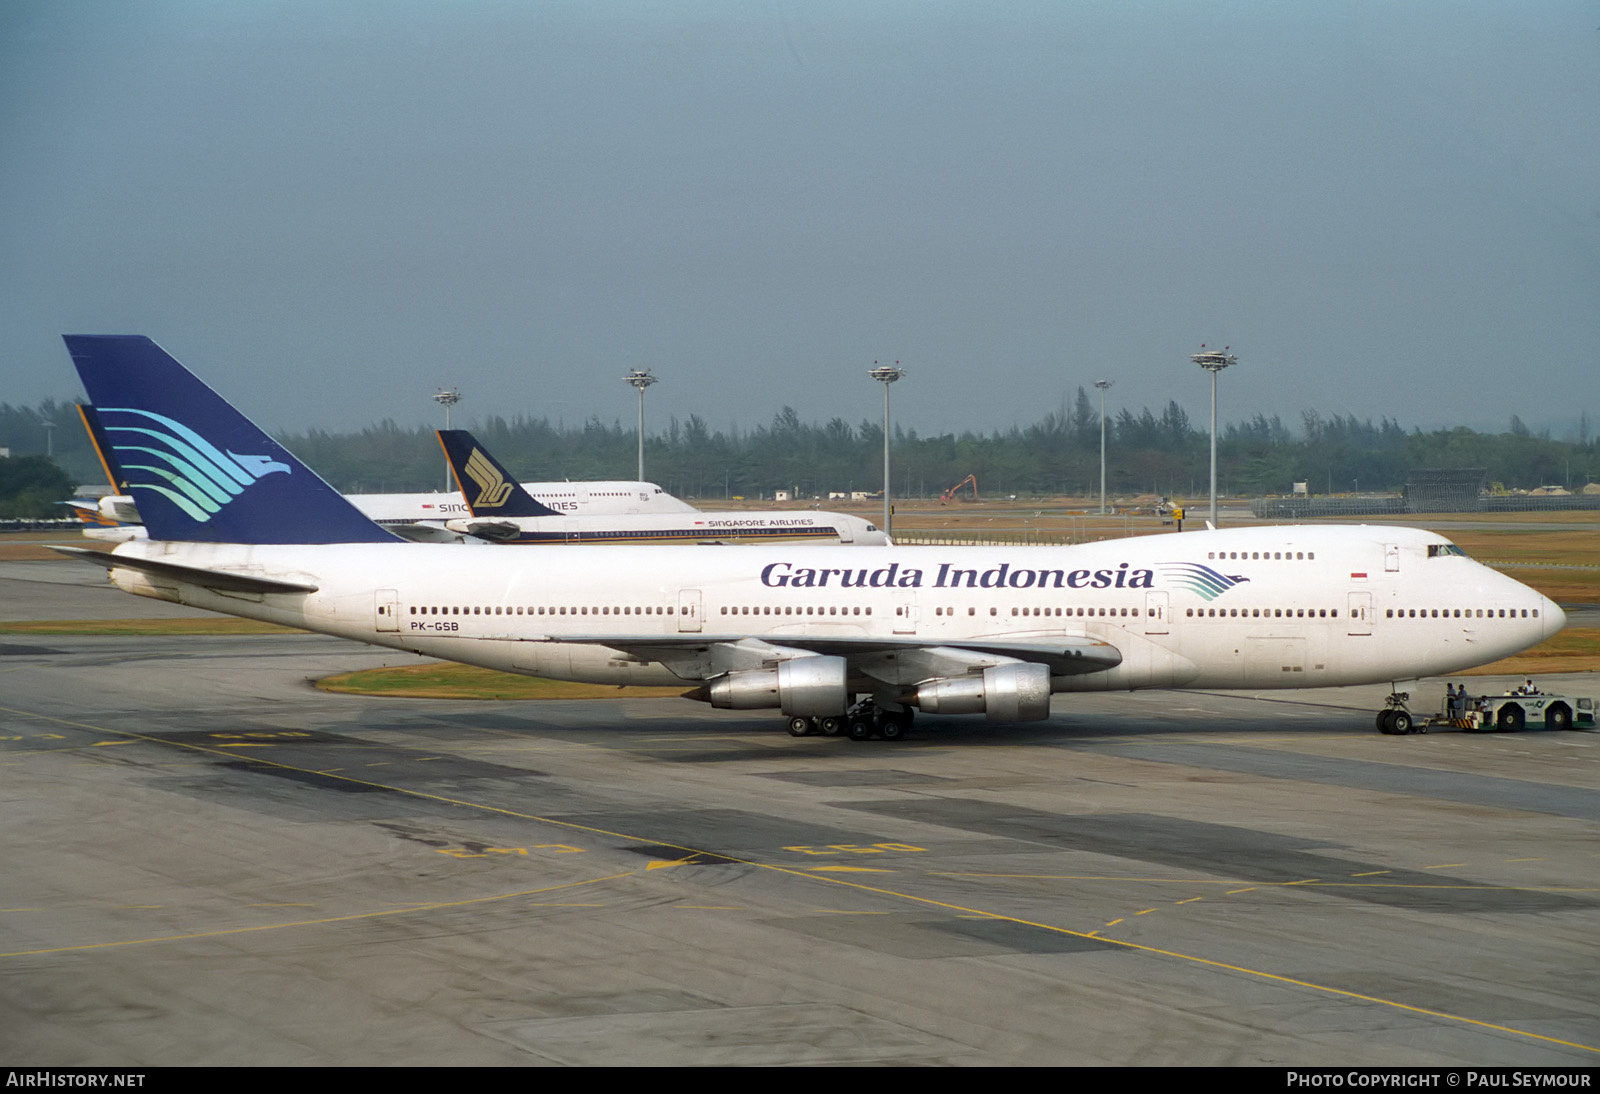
(862, 722)
(1395, 720)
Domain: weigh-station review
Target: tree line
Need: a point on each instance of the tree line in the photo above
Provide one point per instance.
(1147, 452)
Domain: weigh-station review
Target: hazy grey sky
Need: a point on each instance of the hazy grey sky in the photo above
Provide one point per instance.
(330, 209)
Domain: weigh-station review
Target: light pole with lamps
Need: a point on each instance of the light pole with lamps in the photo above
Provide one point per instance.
(640, 378)
(447, 397)
(1213, 362)
(886, 375)
(1102, 385)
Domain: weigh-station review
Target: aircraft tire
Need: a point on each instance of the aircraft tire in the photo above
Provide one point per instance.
(830, 726)
(802, 727)
(894, 727)
(860, 729)
(1400, 722)
(1383, 721)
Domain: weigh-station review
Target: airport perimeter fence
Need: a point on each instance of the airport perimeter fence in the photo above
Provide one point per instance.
(1395, 505)
(922, 538)
(22, 524)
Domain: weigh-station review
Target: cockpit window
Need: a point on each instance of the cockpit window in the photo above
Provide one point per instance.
(1439, 550)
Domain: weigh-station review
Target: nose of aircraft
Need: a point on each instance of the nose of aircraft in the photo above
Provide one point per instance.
(1554, 618)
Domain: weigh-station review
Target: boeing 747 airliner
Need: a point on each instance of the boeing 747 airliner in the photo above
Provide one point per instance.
(837, 638)
(503, 512)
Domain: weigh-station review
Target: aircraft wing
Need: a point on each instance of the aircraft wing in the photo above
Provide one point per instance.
(1065, 656)
(485, 529)
(220, 580)
(427, 533)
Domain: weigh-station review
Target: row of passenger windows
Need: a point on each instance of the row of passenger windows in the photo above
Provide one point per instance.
(1292, 556)
(938, 611)
(1460, 613)
(791, 610)
(1259, 613)
(535, 610)
(1203, 613)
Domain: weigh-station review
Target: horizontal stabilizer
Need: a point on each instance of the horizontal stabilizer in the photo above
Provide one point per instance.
(220, 580)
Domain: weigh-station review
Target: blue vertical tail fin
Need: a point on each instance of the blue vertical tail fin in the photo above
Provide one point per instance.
(198, 469)
(488, 487)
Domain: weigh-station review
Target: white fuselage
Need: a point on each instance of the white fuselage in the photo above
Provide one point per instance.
(578, 499)
(1299, 606)
(800, 526)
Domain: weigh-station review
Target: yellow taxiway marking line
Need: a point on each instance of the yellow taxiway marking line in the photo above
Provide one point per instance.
(848, 870)
(849, 911)
(1315, 883)
(790, 871)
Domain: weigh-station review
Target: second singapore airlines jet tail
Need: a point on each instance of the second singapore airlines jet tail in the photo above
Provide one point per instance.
(505, 512)
(838, 638)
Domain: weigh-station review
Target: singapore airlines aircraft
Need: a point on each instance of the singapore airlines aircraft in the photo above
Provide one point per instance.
(415, 516)
(837, 638)
(504, 513)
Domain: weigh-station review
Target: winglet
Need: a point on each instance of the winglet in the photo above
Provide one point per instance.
(198, 468)
(489, 488)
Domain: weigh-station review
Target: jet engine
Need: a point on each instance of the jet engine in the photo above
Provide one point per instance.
(808, 687)
(1005, 693)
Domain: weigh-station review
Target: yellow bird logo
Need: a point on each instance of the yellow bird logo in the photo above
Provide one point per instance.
(493, 489)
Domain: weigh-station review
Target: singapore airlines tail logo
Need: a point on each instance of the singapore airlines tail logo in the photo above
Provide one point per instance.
(493, 489)
(1207, 583)
(184, 467)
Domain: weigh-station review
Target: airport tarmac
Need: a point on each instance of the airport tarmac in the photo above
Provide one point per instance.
(207, 861)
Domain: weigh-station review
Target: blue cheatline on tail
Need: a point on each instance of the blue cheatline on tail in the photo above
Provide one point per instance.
(488, 487)
(199, 469)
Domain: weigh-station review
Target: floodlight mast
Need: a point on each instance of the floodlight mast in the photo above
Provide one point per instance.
(1102, 385)
(640, 379)
(1213, 362)
(447, 397)
(886, 375)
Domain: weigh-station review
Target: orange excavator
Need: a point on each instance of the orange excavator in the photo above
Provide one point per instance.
(950, 494)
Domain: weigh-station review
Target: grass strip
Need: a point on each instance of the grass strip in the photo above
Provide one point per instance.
(451, 681)
(202, 625)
